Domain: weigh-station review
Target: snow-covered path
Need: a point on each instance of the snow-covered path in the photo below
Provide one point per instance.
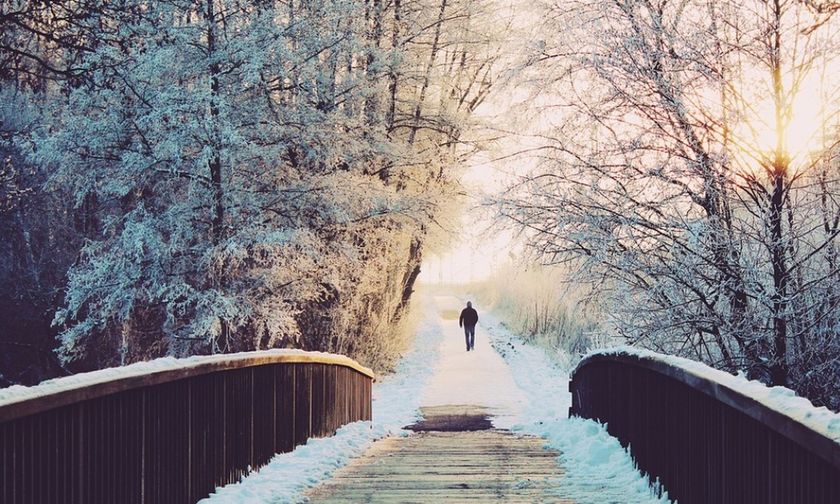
(480, 377)
(517, 383)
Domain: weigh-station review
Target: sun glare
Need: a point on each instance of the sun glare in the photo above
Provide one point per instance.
(810, 118)
(802, 132)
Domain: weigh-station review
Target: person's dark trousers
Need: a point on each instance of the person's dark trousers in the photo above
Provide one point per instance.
(469, 335)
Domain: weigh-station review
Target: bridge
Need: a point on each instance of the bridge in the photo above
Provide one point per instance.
(173, 431)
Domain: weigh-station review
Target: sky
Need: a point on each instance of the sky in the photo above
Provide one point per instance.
(481, 246)
(478, 247)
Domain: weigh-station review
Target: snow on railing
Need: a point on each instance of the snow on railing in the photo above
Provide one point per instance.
(66, 389)
(170, 430)
(709, 436)
(780, 399)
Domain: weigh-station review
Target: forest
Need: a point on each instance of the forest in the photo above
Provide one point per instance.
(185, 177)
(188, 177)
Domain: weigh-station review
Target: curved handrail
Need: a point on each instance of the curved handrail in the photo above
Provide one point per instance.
(84, 386)
(707, 435)
(171, 430)
(806, 436)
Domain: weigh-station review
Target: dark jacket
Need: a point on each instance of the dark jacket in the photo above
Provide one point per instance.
(469, 317)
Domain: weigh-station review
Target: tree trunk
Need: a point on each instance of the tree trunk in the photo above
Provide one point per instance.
(781, 162)
(393, 76)
(415, 254)
(778, 367)
(215, 162)
(374, 39)
(428, 76)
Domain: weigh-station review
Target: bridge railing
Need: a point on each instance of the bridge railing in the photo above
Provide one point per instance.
(171, 434)
(705, 437)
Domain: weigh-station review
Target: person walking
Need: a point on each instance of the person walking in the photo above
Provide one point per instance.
(468, 320)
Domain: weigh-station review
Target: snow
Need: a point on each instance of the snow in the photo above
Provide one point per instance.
(19, 393)
(597, 468)
(780, 399)
(395, 405)
(479, 377)
(518, 383)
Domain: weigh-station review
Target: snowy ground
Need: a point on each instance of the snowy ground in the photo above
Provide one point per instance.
(518, 383)
(598, 469)
(480, 377)
(395, 405)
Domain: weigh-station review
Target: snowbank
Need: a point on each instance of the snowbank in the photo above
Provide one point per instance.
(597, 468)
(780, 399)
(395, 404)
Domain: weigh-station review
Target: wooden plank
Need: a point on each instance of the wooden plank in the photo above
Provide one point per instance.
(705, 441)
(448, 466)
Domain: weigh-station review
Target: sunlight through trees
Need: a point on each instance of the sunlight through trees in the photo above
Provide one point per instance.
(692, 180)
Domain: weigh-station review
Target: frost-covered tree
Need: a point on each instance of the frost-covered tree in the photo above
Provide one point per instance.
(255, 174)
(209, 231)
(680, 179)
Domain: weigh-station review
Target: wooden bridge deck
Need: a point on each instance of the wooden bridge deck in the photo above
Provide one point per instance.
(453, 456)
